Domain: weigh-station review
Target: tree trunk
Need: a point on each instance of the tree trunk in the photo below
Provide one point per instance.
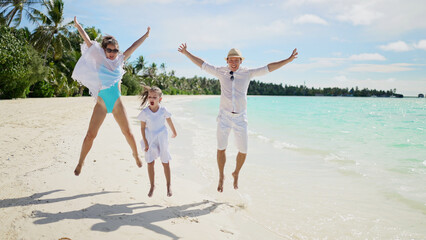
(10, 20)
(47, 48)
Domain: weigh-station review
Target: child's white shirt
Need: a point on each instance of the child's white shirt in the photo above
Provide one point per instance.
(156, 134)
(155, 121)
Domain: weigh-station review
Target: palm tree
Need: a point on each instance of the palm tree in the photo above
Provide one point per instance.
(129, 68)
(94, 34)
(163, 67)
(140, 64)
(52, 34)
(152, 70)
(13, 10)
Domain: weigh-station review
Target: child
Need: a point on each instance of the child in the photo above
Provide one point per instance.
(100, 69)
(154, 134)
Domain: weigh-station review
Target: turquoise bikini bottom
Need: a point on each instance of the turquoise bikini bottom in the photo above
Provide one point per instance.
(110, 96)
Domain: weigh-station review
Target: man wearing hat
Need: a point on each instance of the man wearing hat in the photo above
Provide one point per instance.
(234, 82)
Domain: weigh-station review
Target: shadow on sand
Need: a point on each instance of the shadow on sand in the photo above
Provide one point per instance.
(34, 199)
(118, 215)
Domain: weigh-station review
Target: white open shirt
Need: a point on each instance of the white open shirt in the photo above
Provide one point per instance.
(233, 97)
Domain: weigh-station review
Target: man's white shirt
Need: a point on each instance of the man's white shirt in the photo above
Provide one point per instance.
(233, 97)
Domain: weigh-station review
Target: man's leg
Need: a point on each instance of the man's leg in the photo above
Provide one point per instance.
(241, 138)
(224, 125)
(221, 160)
(241, 158)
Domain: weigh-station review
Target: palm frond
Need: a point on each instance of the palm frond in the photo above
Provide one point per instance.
(17, 19)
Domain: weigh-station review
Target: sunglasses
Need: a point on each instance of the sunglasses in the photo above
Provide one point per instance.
(232, 75)
(109, 50)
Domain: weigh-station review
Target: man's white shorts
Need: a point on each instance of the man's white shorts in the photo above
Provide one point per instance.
(226, 122)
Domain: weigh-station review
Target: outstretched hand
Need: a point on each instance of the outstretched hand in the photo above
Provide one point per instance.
(293, 55)
(182, 48)
(76, 24)
(147, 31)
(82, 33)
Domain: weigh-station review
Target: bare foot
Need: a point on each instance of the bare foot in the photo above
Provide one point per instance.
(220, 186)
(78, 169)
(138, 161)
(151, 191)
(235, 180)
(169, 191)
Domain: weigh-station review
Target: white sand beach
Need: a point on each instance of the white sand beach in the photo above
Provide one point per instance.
(40, 197)
(287, 189)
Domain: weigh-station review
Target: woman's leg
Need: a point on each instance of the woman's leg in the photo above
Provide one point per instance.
(166, 167)
(121, 117)
(151, 178)
(98, 116)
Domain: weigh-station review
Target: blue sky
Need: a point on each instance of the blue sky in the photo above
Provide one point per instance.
(376, 44)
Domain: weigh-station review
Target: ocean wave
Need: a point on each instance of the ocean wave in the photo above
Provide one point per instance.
(338, 158)
(274, 143)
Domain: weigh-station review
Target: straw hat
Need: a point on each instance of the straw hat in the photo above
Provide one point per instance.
(234, 53)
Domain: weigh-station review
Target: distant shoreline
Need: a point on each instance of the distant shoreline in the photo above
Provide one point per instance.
(212, 95)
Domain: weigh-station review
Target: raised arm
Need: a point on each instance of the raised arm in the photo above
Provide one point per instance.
(275, 65)
(83, 34)
(136, 44)
(198, 61)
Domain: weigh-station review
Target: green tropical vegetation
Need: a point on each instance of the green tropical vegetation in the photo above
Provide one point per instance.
(21, 65)
(40, 63)
(260, 88)
(12, 10)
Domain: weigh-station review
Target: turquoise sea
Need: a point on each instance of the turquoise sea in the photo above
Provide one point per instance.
(326, 167)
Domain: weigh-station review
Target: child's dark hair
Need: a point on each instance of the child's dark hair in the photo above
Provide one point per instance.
(109, 40)
(146, 90)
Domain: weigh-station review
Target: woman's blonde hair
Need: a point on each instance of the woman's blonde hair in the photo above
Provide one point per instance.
(146, 90)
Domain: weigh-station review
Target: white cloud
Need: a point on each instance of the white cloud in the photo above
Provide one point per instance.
(421, 45)
(185, 2)
(217, 1)
(400, 17)
(310, 18)
(317, 63)
(140, 2)
(339, 39)
(276, 27)
(379, 18)
(378, 68)
(360, 14)
(341, 78)
(367, 57)
(322, 63)
(399, 46)
(221, 31)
